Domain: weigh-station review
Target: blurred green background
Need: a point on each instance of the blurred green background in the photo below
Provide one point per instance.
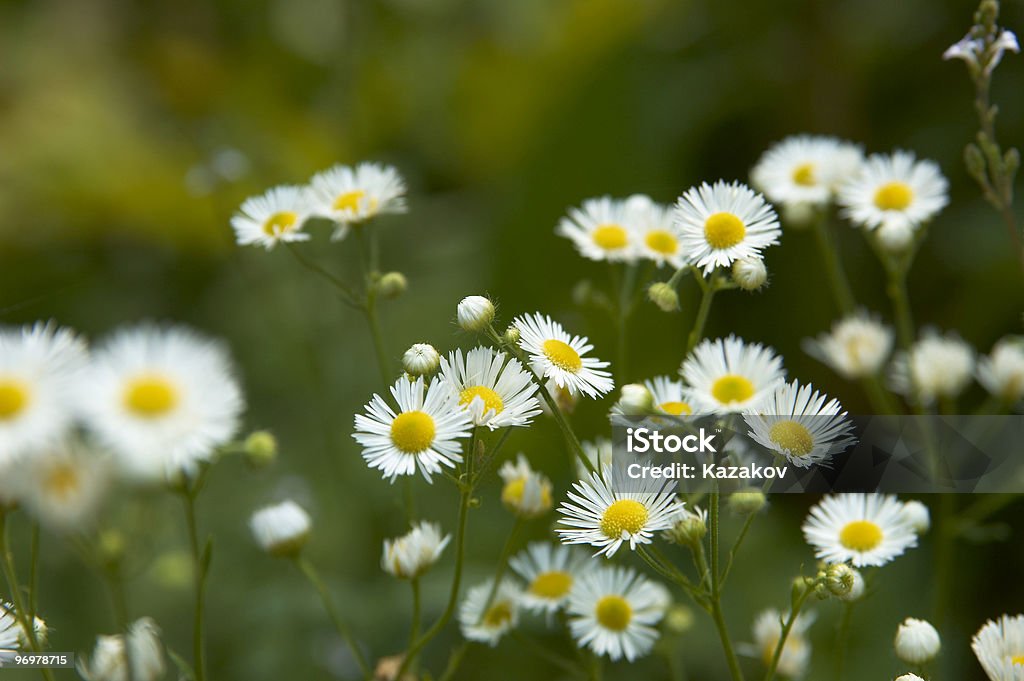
(130, 131)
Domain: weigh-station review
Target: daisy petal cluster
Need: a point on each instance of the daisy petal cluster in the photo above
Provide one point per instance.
(624, 230)
(496, 390)
(526, 492)
(278, 215)
(1001, 372)
(857, 346)
(550, 572)
(488, 612)
(730, 375)
(862, 529)
(936, 367)
(999, 647)
(412, 554)
(561, 357)
(806, 169)
(281, 529)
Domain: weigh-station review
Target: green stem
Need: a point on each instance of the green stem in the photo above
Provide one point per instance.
(716, 592)
(379, 347)
(11, 574)
(119, 603)
(736, 546)
(454, 660)
(897, 292)
(200, 565)
(707, 296)
(339, 624)
(787, 627)
(414, 629)
(563, 663)
(343, 289)
(838, 283)
(842, 635)
(33, 574)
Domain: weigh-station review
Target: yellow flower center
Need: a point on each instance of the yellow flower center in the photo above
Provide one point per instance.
(626, 515)
(676, 408)
(661, 241)
(732, 388)
(492, 400)
(893, 196)
(512, 494)
(1017, 659)
(724, 230)
(413, 431)
(553, 585)
(860, 535)
(610, 237)
(279, 223)
(792, 437)
(61, 481)
(498, 615)
(562, 355)
(14, 397)
(150, 396)
(803, 175)
(350, 200)
(613, 612)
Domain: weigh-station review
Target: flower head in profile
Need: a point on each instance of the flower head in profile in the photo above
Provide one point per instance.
(412, 554)
(806, 169)
(561, 357)
(856, 347)
(601, 229)
(936, 366)
(980, 57)
(999, 647)
(796, 651)
(724, 222)
(526, 492)
(730, 375)
(496, 390)
(110, 659)
(278, 215)
(349, 196)
(862, 529)
(1001, 372)
(487, 619)
(282, 529)
(421, 435)
(614, 611)
(550, 572)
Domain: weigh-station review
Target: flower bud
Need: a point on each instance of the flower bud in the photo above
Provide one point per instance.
(690, 529)
(909, 677)
(421, 360)
(856, 589)
(281, 530)
(260, 448)
(679, 619)
(746, 502)
(475, 313)
(839, 579)
(749, 273)
(917, 515)
(512, 334)
(636, 400)
(917, 642)
(392, 285)
(664, 296)
(895, 237)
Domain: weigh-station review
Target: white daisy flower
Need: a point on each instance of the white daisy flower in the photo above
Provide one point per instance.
(724, 222)
(796, 651)
(917, 642)
(599, 453)
(601, 517)
(39, 367)
(669, 397)
(999, 647)
(935, 367)
(657, 234)
(412, 554)
(496, 391)
(614, 611)
(109, 661)
(282, 529)
(65, 485)
(557, 355)
(276, 216)
(162, 399)
(526, 492)
(856, 347)
(797, 422)
(1002, 371)
(550, 572)
(731, 375)
(488, 622)
(601, 229)
(805, 169)
(422, 435)
(349, 195)
(863, 529)
(894, 191)
(972, 50)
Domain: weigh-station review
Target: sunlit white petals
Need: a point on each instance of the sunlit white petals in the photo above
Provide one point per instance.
(614, 611)
(550, 572)
(731, 375)
(278, 215)
(862, 529)
(999, 647)
(805, 169)
(281, 529)
(857, 346)
(496, 391)
(350, 195)
(412, 554)
(894, 190)
(658, 237)
(561, 357)
(601, 229)
(525, 492)
(1001, 372)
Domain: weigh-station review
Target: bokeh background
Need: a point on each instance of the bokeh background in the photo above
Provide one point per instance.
(130, 131)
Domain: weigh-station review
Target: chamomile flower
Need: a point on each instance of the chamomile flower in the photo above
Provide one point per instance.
(798, 423)
(805, 169)
(936, 366)
(422, 435)
(863, 529)
(599, 453)
(496, 391)
(657, 234)
(601, 229)
(796, 651)
(856, 347)
(349, 196)
(526, 492)
(550, 572)
(486, 622)
(1002, 371)
(276, 216)
(601, 517)
(724, 222)
(999, 647)
(614, 611)
(669, 397)
(412, 554)
(162, 399)
(917, 642)
(65, 485)
(894, 191)
(731, 375)
(39, 367)
(557, 355)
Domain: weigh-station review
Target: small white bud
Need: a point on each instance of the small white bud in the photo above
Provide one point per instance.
(895, 237)
(475, 313)
(636, 399)
(281, 530)
(856, 590)
(392, 285)
(749, 273)
(917, 642)
(421, 360)
(916, 513)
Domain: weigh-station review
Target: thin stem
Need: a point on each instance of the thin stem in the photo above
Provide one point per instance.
(33, 573)
(339, 625)
(414, 629)
(506, 553)
(842, 635)
(563, 663)
(343, 289)
(707, 296)
(119, 603)
(736, 546)
(11, 574)
(454, 660)
(787, 627)
(838, 283)
(379, 347)
(200, 565)
(716, 591)
(897, 292)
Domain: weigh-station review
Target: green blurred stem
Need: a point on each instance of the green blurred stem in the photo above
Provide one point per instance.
(838, 282)
(708, 290)
(346, 293)
(563, 663)
(454, 660)
(379, 347)
(33, 574)
(339, 624)
(896, 271)
(736, 546)
(11, 574)
(119, 603)
(881, 401)
(623, 309)
(787, 627)
(414, 629)
(200, 566)
(506, 553)
(716, 591)
(842, 636)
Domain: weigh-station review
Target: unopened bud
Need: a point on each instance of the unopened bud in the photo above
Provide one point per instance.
(636, 400)
(749, 273)
(392, 285)
(895, 237)
(421, 360)
(475, 313)
(664, 296)
(690, 529)
(746, 502)
(839, 579)
(260, 448)
(798, 215)
(511, 335)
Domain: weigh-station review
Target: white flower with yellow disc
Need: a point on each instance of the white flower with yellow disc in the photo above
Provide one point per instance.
(862, 529)
(615, 612)
(350, 195)
(561, 357)
(601, 229)
(278, 215)
(894, 192)
(730, 375)
(497, 391)
(550, 572)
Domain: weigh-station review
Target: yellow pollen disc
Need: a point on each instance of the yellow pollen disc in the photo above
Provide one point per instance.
(861, 535)
(413, 431)
(793, 437)
(562, 355)
(349, 200)
(803, 175)
(676, 408)
(732, 388)
(661, 241)
(893, 196)
(492, 400)
(279, 223)
(498, 615)
(61, 482)
(14, 398)
(150, 396)
(724, 230)
(1017, 659)
(613, 612)
(610, 237)
(625, 514)
(554, 584)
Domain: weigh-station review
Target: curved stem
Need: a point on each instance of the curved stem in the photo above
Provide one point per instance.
(838, 282)
(454, 660)
(20, 614)
(200, 565)
(787, 627)
(343, 289)
(339, 625)
(379, 347)
(707, 296)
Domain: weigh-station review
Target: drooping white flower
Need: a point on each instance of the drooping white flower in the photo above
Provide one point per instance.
(917, 642)
(282, 529)
(412, 554)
